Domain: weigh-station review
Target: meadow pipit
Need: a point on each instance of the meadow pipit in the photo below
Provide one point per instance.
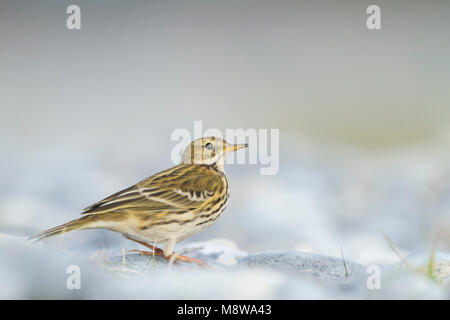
(167, 207)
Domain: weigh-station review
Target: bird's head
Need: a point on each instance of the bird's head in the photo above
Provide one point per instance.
(209, 150)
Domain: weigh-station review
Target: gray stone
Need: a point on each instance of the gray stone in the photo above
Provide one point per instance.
(217, 253)
(322, 267)
(39, 271)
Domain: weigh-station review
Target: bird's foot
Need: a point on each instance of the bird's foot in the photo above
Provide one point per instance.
(178, 257)
(171, 257)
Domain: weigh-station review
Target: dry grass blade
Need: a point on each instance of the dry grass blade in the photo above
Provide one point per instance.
(431, 262)
(345, 263)
(394, 248)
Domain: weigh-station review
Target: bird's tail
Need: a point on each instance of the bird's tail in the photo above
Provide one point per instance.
(78, 224)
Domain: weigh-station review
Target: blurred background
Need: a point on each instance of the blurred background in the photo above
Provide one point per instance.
(363, 116)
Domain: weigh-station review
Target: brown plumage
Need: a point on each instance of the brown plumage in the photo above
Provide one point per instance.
(167, 207)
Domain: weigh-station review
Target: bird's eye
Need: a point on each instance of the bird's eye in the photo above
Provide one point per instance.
(209, 146)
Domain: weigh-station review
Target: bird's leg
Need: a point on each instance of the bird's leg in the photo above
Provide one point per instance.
(171, 256)
(159, 252)
(155, 250)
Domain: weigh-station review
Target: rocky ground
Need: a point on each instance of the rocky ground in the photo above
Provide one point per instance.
(42, 271)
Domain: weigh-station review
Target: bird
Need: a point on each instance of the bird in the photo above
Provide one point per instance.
(167, 207)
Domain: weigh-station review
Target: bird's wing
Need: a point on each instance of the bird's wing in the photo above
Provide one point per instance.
(179, 189)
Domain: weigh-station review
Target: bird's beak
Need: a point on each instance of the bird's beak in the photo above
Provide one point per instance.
(236, 147)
